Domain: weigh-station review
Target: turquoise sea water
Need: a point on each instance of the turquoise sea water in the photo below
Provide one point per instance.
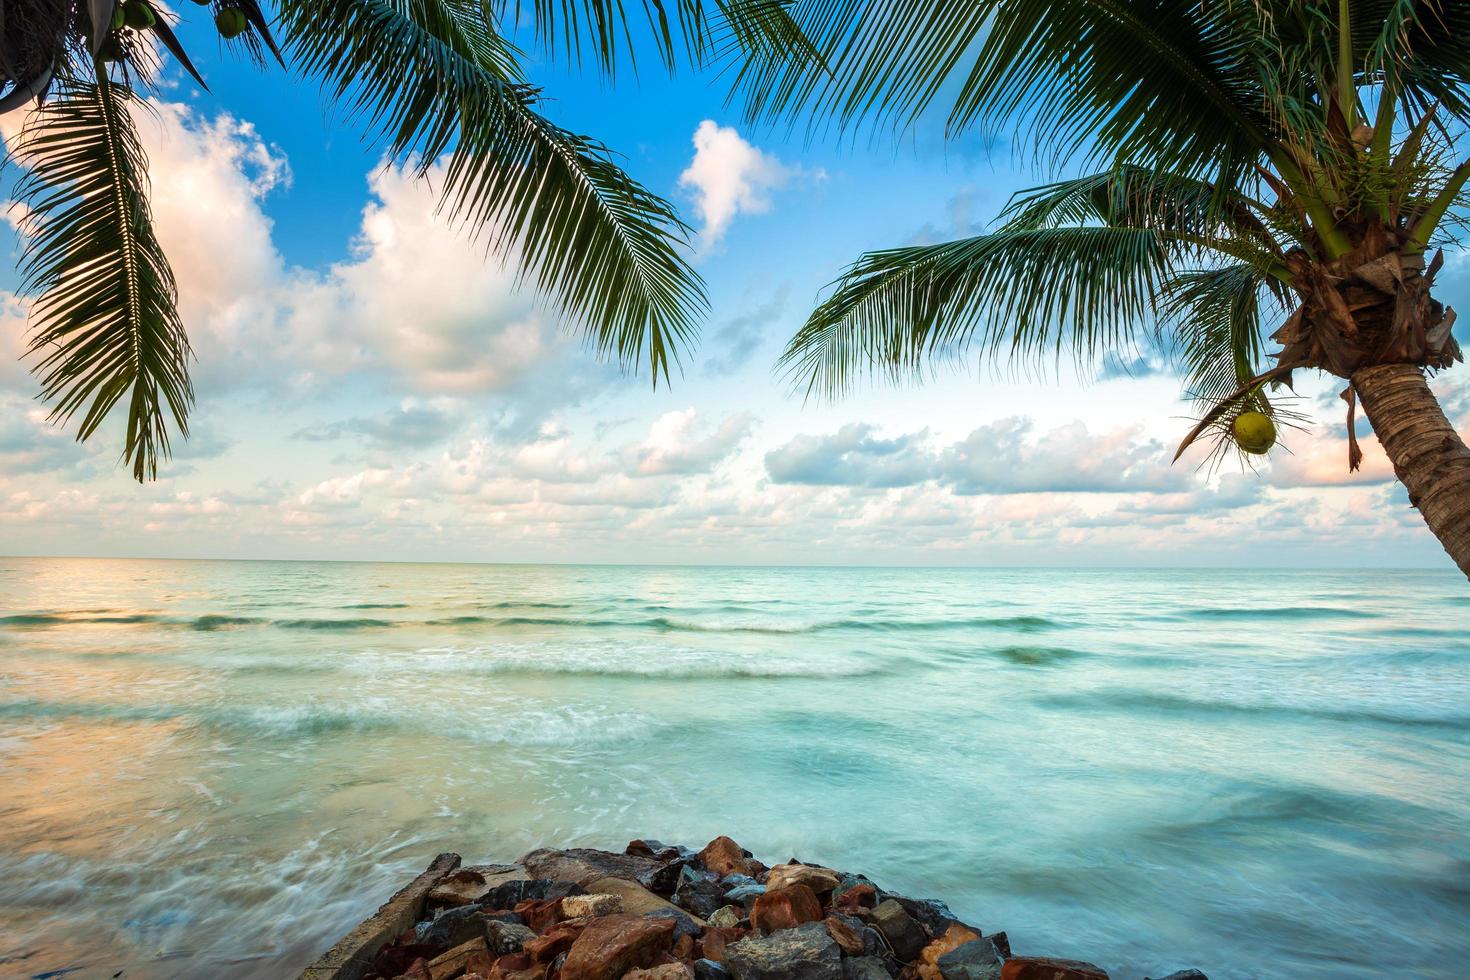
(214, 768)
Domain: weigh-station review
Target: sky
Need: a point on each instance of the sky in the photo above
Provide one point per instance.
(371, 386)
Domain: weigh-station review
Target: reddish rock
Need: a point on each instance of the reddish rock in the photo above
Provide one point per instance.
(713, 942)
(454, 962)
(954, 937)
(540, 914)
(417, 970)
(845, 936)
(552, 943)
(1046, 968)
(516, 966)
(479, 964)
(683, 946)
(724, 857)
(785, 908)
(858, 897)
(612, 945)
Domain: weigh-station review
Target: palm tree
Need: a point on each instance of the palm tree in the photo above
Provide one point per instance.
(425, 78)
(1240, 161)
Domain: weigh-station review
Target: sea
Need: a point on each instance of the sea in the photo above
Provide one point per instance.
(215, 768)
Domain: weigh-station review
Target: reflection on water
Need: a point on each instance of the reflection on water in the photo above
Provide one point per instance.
(215, 767)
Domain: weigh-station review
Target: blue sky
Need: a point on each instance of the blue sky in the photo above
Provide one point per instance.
(368, 387)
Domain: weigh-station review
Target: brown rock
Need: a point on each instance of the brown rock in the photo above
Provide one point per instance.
(637, 900)
(555, 941)
(954, 937)
(785, 908)
(863, 896)
(452, 963)
(723, 856)
(540, 914)
(479, 964)
(843, 934)
(904, 935)
(1046, 968)
(516, 966)
(614, 944)
(819, 880)
(668, 971)
(417, 970)
(576, 906)
(683, 946)
(713, 941)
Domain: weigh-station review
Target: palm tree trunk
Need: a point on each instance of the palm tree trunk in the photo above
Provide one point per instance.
(1427, 454)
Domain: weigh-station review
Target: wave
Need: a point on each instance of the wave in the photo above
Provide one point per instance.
(377, 605)
(1279, 612)
(1038, 656)
(333, 624)
(215, 621)
(73, 619)
(1142, 701)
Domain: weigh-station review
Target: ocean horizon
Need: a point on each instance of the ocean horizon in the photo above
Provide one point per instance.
(219, 766)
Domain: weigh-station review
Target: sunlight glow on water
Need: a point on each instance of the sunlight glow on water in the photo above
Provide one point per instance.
(218, 767)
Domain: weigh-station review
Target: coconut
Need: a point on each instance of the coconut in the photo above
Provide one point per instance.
(138, 16)
(118, 17)
(1254, 432)
(231, 22)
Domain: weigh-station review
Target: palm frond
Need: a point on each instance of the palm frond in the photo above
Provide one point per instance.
(1025, 293)
(430, 77)
(106, 324)
(1212, 320)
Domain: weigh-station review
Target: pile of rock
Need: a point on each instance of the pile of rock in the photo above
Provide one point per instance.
(665, 912)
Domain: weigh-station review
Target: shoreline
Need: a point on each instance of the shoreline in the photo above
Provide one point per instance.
(667, 912)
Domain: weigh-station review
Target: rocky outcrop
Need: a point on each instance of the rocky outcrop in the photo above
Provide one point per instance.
(666, 912)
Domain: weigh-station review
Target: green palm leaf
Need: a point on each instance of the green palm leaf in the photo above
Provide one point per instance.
(106, 325)
(1027, 292)
(431, 77)
(1213, 319)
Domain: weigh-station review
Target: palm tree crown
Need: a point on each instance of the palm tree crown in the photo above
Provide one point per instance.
(425, 78)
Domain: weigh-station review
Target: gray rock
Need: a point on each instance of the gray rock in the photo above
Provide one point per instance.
(975, 960)
(710, 970)
(683, 924)
(807, 952)
(872, 942)
(905, 937)
(1184, 975)
(698, 894)
(864, 968)
(452, 927)
(506, 937)
(745, 894)
(585, 864)
(933, 915)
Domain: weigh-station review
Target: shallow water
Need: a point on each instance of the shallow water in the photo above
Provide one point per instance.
(214, 768)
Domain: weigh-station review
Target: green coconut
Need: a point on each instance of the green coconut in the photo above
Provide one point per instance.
(112, 49)
(231, 22)
(118, 17)
(139, 16)
(1254, 432)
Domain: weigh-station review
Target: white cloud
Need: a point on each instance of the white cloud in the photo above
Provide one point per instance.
(729, 176)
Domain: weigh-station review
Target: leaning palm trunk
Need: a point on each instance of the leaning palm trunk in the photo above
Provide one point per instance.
(1427, 453)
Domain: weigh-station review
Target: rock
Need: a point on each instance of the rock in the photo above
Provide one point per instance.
(904, 935)
(452, 927)
(953, 938)
(977, 959)
(723, 856)
(510, 893)
(684, 924)
(697, 894)
(785, 908)
(846, 937)
(856, 890)
(637, 900)
(470, 884)
(584, 865)
(540, 915)
(1002, 943)
(864, 968)
(1183, 975)
(683, 946)
(506, 937)
(727, 918)
(713, 942)
(819, 880)
(707, 969)
(665, 971)
(745, 890)
(555, 941)
(658, 850)
(614, 944)
(452, 963)
(417, 970)
(872, 942)
(504, 915)
(577, 906)
(1046, 968)
(933, 915)
(806, 952)
(516, 966)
